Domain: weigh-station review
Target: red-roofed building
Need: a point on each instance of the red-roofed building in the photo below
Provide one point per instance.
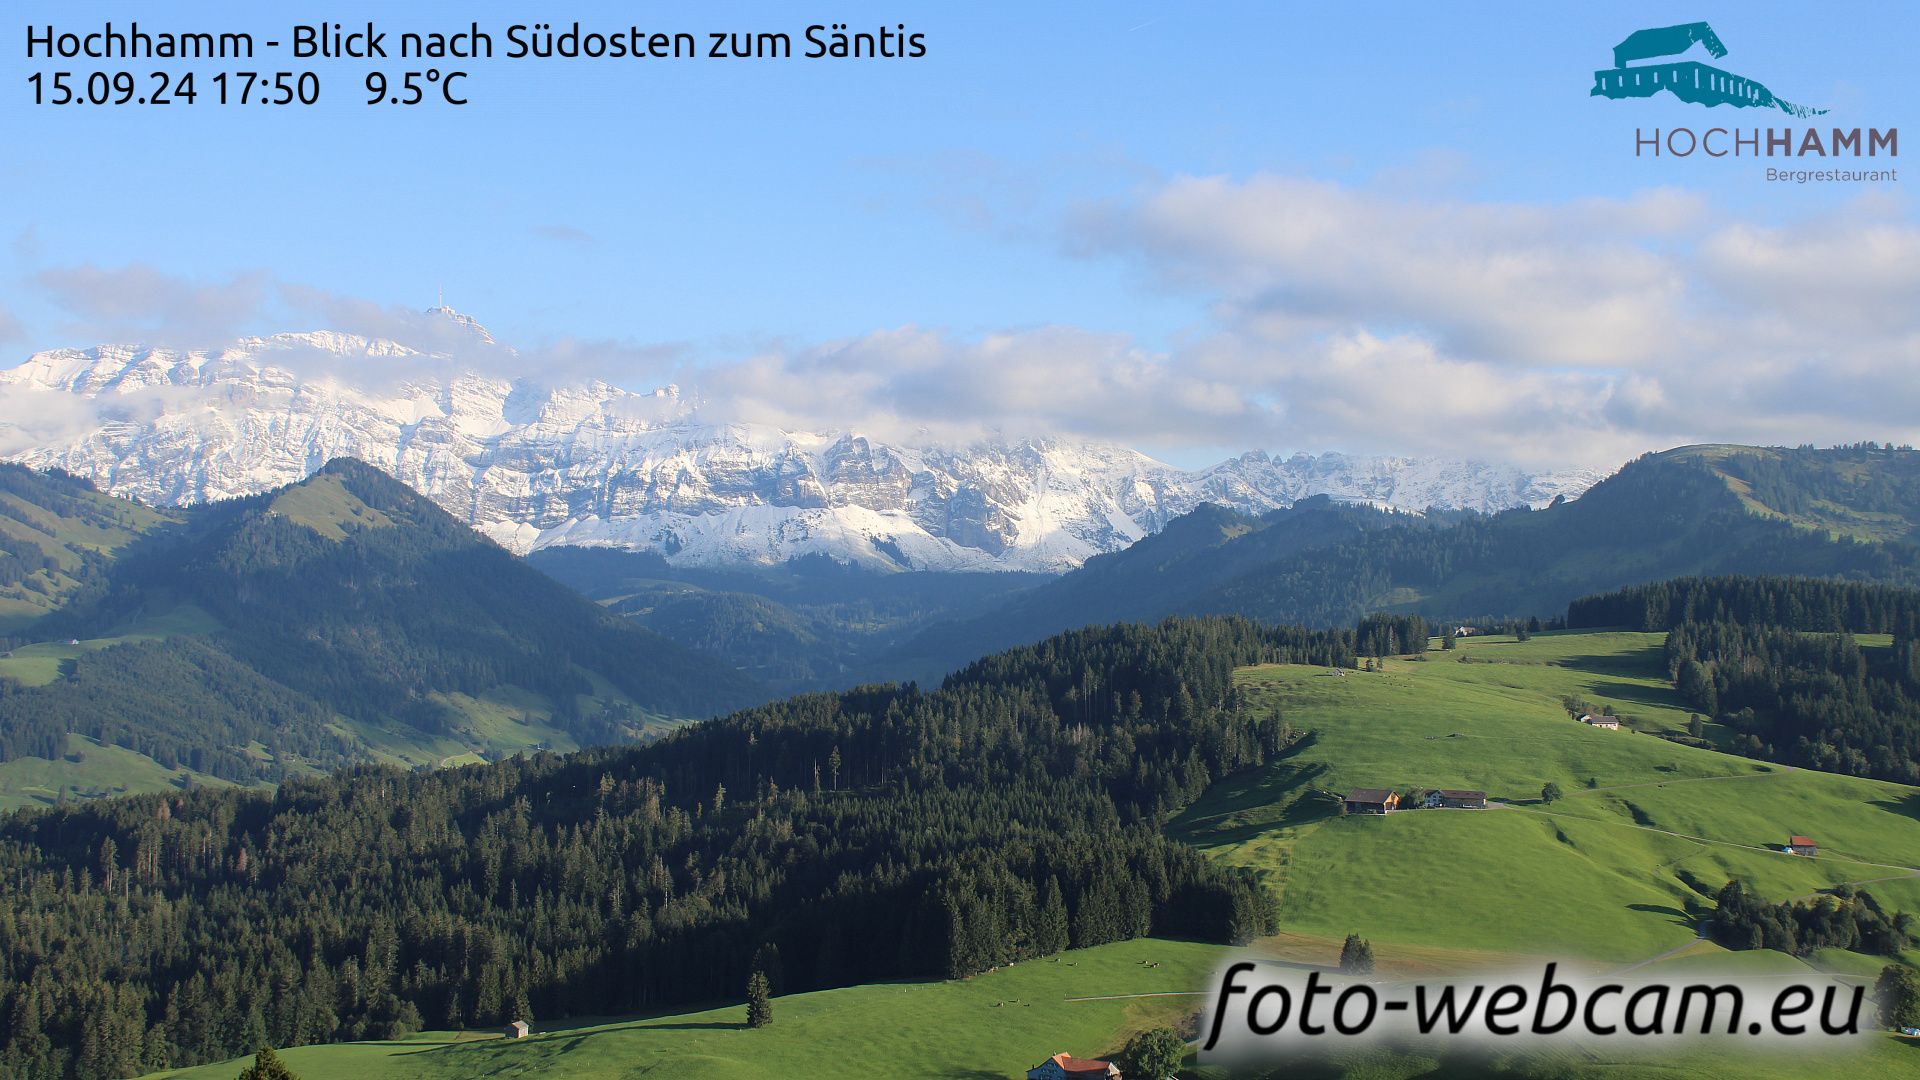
(1802, 845)
(1068, 1067)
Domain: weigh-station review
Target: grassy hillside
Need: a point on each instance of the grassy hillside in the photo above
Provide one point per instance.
(89, 769)
(993, 1025)
(1612, 873)
(1865, 493)
(57, 534)
(1610, 877)
(340, 619)
(989, 1027)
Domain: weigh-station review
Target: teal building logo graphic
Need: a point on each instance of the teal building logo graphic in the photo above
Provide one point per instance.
(1688, 80)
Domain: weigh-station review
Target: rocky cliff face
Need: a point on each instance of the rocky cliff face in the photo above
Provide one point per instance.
(533, 465)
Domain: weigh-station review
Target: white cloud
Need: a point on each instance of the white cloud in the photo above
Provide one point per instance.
(140, 302)
(1503, 282)
(1362, 319)
(1548, 333)
(911, 383)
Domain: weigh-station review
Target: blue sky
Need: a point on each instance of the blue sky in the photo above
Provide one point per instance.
(1050, 180)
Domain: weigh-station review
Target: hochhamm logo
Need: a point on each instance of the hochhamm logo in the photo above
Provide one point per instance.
(1688, 80)
(1699, 83)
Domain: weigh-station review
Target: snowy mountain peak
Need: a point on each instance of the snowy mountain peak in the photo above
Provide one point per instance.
(585, 462)
(466, 323)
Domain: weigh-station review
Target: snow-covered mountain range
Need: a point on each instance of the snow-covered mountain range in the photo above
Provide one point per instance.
(534, 464)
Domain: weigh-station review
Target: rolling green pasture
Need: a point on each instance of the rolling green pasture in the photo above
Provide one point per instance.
(324, 505)
(497, 724)
(991, 1026)
(42, 662)
(1610, 874)
(1607, 878)
(89, 770)
(116, 523)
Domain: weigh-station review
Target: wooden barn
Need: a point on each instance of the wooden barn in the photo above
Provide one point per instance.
(1802, 845)
(1372, 801)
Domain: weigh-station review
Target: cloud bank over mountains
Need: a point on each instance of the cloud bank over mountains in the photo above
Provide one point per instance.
(1335, 317)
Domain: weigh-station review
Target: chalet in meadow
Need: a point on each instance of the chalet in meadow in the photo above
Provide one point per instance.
(1609, 723)
(1368, 800)
(1802, 845)
(1456, 799)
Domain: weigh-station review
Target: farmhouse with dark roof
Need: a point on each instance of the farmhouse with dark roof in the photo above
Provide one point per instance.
(1368, 800)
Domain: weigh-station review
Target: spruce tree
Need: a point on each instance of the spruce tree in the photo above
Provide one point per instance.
(1356, 956)
(267, 1066)
(1051, 935)
(759, 1001)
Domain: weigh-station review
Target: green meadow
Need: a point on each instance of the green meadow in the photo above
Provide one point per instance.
(1609, 877)
(499, 723)
(991, 1026)
(42, 662)
(324, 505)
(106, 527)
(89, 770)
(1612, 873)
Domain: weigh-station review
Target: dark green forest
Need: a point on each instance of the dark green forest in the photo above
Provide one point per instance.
(1775, 661)
(808, 624)
(1846, 919)
(1805, 604)
(830, 839)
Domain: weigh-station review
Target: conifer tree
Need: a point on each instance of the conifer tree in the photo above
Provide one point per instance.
(267, 1066)
(1356, 955)
(759, 1001)
(1051, 935)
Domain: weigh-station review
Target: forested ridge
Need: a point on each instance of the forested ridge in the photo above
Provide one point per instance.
(372, 617)
(1845, 512)
(807, 624)
(829, 839)
(1806, 604)
(1662, 515)
(1775, 660)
